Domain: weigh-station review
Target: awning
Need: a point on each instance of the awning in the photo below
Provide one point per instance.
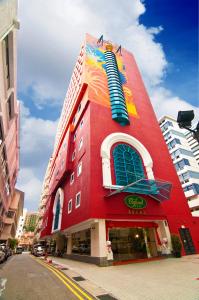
(157, 189)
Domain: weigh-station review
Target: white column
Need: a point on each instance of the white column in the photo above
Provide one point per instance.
(69, 245)
(98, 239)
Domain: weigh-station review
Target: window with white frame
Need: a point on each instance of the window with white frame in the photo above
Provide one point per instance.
(75, 135)
(81, 123)
(73, 155)
(79, 107)
(70, 205)
(78, 200)
(80, 143)
(72, 176)
(79, 169)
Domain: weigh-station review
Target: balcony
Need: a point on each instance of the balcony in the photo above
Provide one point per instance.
(194, 202)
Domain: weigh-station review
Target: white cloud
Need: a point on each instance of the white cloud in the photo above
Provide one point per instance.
(49, 41)
(165, 103)
(36, 146)
(31, 185)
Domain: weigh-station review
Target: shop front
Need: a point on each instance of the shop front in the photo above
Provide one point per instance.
(133, 240)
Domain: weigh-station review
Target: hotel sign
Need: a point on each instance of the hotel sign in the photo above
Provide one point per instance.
(135, 202)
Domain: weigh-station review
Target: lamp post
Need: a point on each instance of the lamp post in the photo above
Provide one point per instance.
(184, 120)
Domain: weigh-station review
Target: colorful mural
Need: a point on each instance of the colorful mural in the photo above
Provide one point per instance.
(97, 79)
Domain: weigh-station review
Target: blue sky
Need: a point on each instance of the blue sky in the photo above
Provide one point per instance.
(179, 19)
(162, 35)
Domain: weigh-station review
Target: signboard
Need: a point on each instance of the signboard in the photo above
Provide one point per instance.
(135, 202)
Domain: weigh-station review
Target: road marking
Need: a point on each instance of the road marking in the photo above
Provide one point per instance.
(66, 281)
(2, 285)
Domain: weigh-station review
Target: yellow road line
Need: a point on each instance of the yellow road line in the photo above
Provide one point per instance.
(65, 279)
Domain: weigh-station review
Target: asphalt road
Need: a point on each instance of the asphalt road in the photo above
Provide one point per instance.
(25, 279)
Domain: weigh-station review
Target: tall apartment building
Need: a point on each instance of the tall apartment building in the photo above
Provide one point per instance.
(193, 143)
(111, 186)
(31, 220)
(183, 149)
(20, 227)
(9, 116)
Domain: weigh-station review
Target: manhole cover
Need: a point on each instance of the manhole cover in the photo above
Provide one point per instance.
(79, 278)
(106, 297)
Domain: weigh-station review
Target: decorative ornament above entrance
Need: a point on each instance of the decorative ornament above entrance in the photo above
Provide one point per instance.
(135, 202)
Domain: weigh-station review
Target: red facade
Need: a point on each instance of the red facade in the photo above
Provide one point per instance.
(93, 123)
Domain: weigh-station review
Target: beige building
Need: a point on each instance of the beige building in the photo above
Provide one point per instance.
(31, 221)
(12, 216)
(26, 240)
(9, 119)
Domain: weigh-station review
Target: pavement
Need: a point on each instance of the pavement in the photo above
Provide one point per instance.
(165, 279)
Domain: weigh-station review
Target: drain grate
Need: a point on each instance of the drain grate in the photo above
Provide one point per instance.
(106, 297)
(64, 268)
(79, 278)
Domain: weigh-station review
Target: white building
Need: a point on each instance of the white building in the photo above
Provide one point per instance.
(184, 152)
(193, 143)
(21, 224)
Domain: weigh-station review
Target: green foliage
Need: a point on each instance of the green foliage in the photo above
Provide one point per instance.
(13, 243)
(177, 246)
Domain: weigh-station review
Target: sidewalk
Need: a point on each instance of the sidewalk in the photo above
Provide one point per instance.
(168, 279)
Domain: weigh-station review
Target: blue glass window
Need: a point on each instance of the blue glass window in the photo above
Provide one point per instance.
(127, 165)
(57, 212)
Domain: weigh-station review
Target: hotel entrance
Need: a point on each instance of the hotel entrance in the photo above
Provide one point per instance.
(132, 243)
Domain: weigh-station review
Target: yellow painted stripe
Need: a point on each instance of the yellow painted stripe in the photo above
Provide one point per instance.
(54, 270)
(64, 281)
(71, 282)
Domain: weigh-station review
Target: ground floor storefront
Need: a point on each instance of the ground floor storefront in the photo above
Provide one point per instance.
(104, 242)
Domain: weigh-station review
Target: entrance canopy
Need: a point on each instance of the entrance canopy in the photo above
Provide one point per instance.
(157, 189)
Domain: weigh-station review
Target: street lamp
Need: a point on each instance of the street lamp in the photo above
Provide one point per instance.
(184, 120)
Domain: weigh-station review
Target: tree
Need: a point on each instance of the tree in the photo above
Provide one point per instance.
(13, 243)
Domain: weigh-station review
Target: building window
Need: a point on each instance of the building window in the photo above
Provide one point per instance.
(127, 165)
(10, 106)
(7, 61)
(79, 168)
(79, 107)
(1, 131)
(69, 206)
(57, 212)
(72, 176)
(73, 155)
(181, 164)
(81, 123)
(166, 126)
(78, 200)
(80, 143)
(173, 143)
(75, 135)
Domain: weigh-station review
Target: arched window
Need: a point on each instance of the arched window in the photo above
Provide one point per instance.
(57, 212)
(127, 165)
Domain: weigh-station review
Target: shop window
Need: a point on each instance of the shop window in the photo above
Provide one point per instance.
(79, 169)
(69, 206)
(80, 143)
(81, 242)
(72, 176)
(127, 165)
(78, 200)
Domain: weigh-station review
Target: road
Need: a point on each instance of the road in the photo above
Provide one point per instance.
(27, 279)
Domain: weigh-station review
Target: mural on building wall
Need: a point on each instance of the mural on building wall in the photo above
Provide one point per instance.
(97, 79)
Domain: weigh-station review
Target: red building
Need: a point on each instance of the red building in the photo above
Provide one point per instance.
(111, 187)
